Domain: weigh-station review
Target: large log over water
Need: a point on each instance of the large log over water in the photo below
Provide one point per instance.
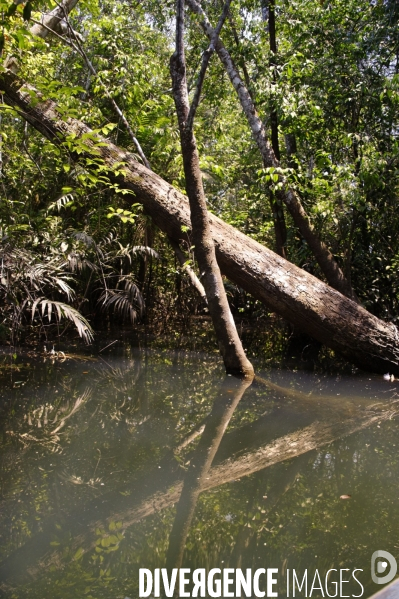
(299, 297)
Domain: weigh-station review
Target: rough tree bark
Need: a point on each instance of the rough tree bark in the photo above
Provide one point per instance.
(324, 257)
(305, 301)
(52, 19)
(230, 346)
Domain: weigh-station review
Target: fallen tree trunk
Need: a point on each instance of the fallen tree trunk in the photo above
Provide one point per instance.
(53, 19)
(316, 308)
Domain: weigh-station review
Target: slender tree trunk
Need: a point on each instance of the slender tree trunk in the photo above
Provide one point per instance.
(305, 301)
(269, 17)
(230, 345)
(277, 198)
(273, 52)
(324, 257)
(291, 149)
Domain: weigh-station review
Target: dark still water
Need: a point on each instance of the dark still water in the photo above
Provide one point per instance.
(155, 459)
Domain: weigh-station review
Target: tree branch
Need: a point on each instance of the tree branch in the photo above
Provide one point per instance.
(196, 283)
(75, 43)
(52, 19)
(204, 65)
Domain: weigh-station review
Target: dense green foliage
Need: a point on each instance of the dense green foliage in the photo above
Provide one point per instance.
(334, 83)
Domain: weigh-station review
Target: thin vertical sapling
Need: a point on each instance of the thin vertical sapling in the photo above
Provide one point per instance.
(230, 346)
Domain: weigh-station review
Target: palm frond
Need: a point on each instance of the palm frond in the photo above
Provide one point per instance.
(78, 263)
(144, 249)
(62, 202)
(84, 238)
(127, 302)
(63, 311)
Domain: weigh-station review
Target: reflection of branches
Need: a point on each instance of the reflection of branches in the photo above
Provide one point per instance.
(200, 464)
(284, 482)
(160, 489)
(190, 438)
(313, 399)
(76, 406)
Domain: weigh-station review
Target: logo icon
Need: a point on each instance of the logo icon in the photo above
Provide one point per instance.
(380, 560)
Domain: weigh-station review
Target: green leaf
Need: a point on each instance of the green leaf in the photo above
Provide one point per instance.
(78, 554)
(27, 13)
(11, 10)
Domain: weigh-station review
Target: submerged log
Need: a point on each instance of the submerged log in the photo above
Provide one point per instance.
(302, 299)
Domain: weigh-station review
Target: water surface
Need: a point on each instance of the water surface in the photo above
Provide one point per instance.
(154, 458)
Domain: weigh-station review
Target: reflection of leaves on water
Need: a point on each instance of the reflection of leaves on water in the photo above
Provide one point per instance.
(44, 417)
(79, 402)
(77, 480)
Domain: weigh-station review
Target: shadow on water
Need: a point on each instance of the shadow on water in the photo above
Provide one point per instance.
(159, 461)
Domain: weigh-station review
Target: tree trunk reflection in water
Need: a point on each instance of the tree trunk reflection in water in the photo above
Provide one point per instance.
(155, 492)
(200, 464)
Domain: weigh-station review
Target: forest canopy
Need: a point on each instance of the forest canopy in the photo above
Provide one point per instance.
(297, 135)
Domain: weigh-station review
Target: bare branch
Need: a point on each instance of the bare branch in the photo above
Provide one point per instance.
(204, 65)
(187, 269)
(53, 32)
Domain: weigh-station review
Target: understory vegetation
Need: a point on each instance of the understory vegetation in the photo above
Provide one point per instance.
(77, 250)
